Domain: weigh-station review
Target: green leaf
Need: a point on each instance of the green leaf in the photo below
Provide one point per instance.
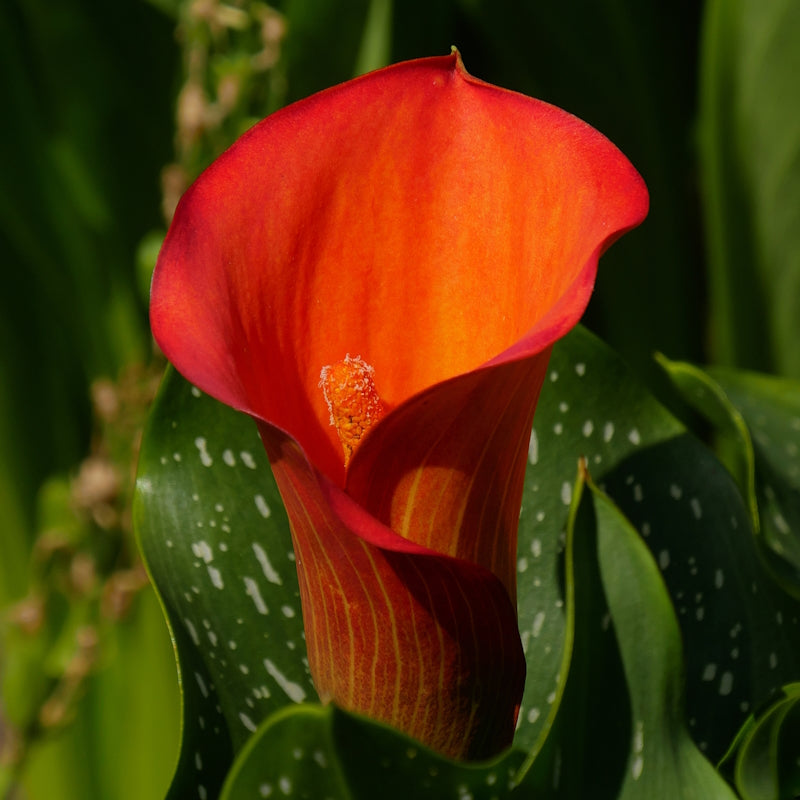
(580, 752)
(620, 731)
(216, 554)
(739, 629)
(217, 543)
(320, 752)
(771, 409)
(750, 166)
(664, 761)
(768, 757)
(760, 416)
(709, 399)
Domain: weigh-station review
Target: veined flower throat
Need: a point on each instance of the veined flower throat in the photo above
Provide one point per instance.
(348, 387)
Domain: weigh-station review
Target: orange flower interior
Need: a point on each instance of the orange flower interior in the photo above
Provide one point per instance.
(416, 216)
(348, 387)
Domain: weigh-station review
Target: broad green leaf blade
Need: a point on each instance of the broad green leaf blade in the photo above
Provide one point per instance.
(323, 753)
(620, 730)
(771, 409)
(577, 399)
(582, 752)
(291, 755)
(709, 399)
(768, 759)
(215, 537)
(760, 414)
(206, 751)
(750, 166)
(590, 405)
(737, 651)
(692, 517)
(664, 761)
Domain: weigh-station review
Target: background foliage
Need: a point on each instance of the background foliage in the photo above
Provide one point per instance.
(110, 109)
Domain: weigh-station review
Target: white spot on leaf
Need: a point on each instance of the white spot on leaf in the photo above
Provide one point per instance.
(203, 551)
(263, 508)
(726, 684)
(293, 691)
(192, 631)
(269, 571)
(202, 446)
(247, 722)
(533, 448)
(252, 591)
(216, 577)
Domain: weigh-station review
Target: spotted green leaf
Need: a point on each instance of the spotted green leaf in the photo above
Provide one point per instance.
(663, 759)
(740, 631)
(771, 409)
(312, 752)
(620, 731)
(761, 415)
(217, 544)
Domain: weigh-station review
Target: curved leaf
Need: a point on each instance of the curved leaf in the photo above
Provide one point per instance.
(217, 544)
(620, 731)
(768, 758)
(672, 489)
(761, 414)
(771, 408)
(324, 753)
(664, 761)
(739, 630)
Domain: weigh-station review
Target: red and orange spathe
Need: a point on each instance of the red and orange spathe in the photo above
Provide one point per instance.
(446, 233)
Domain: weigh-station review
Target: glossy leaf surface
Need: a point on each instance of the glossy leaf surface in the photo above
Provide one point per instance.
(760, 416)
(217, 543)
(676, 494)
(690, 513)
(620, 731)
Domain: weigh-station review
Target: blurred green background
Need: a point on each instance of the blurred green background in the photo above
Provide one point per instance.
(110, 109)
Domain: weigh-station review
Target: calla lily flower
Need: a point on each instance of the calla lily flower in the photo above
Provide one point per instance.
(377, 274)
